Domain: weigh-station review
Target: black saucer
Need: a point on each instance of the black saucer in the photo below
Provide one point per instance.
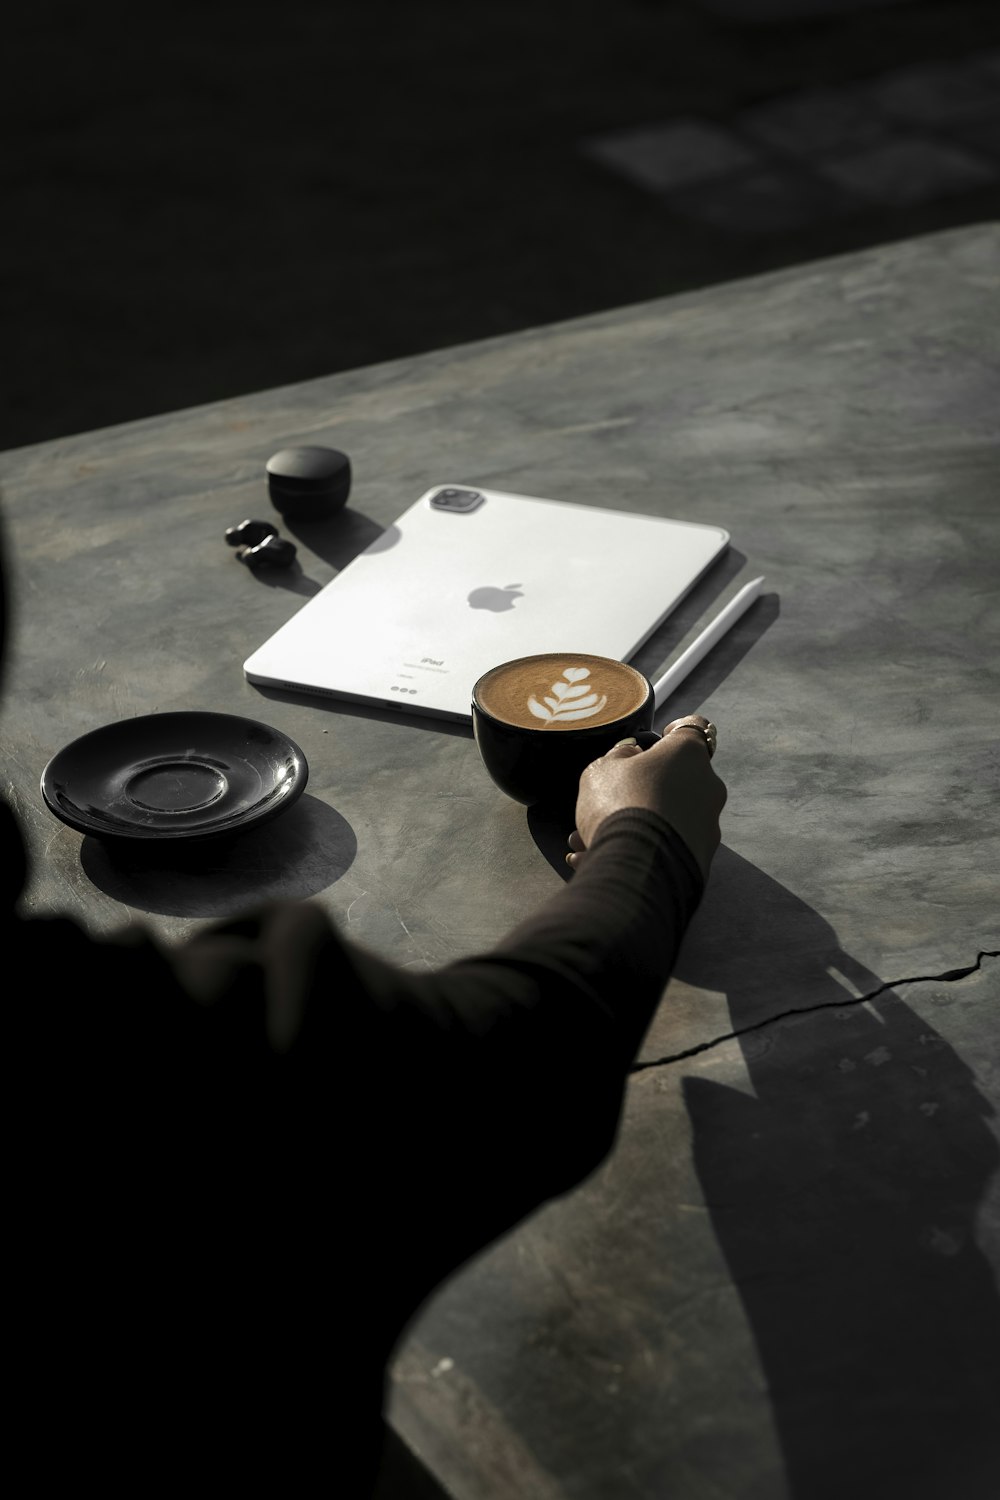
(174, 776)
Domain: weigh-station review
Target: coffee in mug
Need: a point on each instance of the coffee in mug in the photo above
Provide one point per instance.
(553, 692)
(539, 720)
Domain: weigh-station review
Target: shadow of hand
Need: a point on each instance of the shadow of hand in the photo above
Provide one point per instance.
(844, 1194)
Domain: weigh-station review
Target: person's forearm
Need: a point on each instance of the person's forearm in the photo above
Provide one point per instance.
(617, 927)
(512, 1064)
(588, 967)
(462, 1098)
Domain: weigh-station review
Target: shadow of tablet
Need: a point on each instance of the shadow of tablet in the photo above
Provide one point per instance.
(720, 663)
(297, 855)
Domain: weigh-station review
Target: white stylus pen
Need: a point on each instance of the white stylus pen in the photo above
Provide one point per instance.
(710, 636)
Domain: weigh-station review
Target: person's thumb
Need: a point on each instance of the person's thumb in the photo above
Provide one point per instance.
(625, 748)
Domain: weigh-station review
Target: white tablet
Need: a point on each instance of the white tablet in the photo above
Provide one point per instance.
(467, 578)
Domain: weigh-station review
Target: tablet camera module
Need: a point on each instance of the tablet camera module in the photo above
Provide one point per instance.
(460, 501)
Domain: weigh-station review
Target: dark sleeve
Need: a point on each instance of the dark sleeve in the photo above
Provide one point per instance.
(232, 1148)
(462, 1099)
(502, 1075)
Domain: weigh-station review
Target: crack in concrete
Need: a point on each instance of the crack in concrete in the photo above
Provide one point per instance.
(805, 1010)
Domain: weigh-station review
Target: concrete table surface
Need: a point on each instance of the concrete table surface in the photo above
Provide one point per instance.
(783, 1282)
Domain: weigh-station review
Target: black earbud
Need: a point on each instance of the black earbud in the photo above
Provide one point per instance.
(248, 533)
(258, 545)
(273, 552)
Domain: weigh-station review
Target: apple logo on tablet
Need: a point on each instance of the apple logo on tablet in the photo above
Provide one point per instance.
(494, 598)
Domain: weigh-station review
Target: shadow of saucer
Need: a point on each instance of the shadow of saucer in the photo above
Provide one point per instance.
(294, 857)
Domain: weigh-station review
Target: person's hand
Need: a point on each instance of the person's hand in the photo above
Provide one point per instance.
(674, 778)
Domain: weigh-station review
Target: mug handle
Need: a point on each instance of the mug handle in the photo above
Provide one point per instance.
(646, 738)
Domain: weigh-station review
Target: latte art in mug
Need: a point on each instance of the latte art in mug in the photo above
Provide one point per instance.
(553, 692)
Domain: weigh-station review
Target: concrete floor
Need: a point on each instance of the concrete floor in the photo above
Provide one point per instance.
(212, 201)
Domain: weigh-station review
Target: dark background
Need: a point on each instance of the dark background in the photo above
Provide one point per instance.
(202, 200)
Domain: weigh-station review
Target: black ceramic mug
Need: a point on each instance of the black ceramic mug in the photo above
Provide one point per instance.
(540, 720)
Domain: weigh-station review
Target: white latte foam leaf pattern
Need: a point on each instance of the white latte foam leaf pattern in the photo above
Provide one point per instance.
(566, 701)
(582, 703)
(578, 713)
